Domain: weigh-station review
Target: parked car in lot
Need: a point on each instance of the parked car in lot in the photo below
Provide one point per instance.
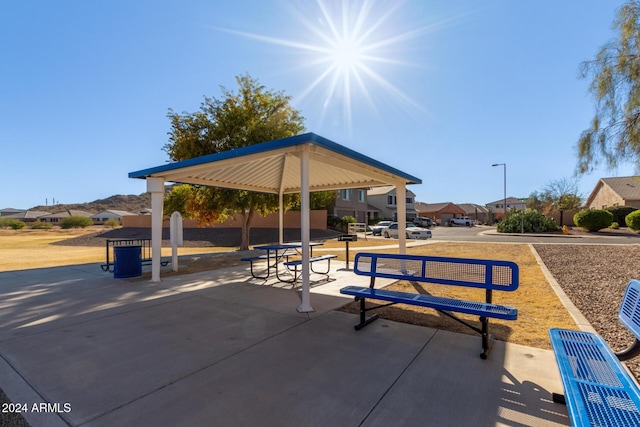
(463, 220)
(412, 232)
(376, 230)
(423, 222)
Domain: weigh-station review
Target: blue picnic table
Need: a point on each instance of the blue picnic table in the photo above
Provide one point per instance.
(276, 253)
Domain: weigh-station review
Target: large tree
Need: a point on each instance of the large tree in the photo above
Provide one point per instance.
(614, 134)
(561, 195)
(250, 116)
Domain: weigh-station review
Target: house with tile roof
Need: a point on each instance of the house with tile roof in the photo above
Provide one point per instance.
(621, 191)
(55, 218)
(103, 216)
(441, 213)
(476, 212)
(383, 199)
(28, 215)
(11, 211)
(352, 202)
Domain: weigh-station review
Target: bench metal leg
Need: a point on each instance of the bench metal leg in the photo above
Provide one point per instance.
(255, 276)
(326, 273)
(364, 321)
(487, 339)
(630, 352)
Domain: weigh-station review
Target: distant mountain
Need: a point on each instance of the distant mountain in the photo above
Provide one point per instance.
(130, 203)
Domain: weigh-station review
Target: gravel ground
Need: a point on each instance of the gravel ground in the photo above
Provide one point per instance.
(10, 419)
(595, 277)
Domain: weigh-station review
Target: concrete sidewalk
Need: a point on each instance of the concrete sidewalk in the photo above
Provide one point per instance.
(216, 348)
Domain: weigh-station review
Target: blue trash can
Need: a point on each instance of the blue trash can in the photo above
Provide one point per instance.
(127, 261)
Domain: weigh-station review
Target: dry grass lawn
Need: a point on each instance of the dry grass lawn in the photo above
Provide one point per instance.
(538, 306)
(27, 249)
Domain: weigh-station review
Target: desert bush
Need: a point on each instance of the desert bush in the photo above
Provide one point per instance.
(593, 219)
(531, 221)
(41, 225)
(112, 222)
(620, 212)
(12, 223)
(75, 222)
(633, 220)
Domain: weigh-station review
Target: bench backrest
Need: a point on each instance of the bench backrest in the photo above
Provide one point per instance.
(476, 273)
(629, 313)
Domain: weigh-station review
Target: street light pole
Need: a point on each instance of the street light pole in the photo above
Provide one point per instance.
(505, 187)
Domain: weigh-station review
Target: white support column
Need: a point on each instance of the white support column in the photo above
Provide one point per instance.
(401, 205)
(155, 186)
(280, 218)
(305, 225)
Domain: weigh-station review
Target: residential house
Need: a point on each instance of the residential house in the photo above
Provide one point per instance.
(11, 211)
(623, 191)
(441, 213)
(101, 217)
(28, 215)
(384, 200)
(498, 207)
(352, 202)
(58, 217)
(476, 212)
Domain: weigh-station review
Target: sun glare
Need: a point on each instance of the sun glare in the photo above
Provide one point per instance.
(347, 47)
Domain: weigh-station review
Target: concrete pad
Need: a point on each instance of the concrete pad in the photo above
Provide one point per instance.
(320, 373)
(216, 348)
(448, 384)
(272, 294)
(36, 300)
(105, 363)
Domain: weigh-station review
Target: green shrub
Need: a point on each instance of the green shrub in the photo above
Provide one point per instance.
(614, 225)
(41, 225)
(620, 212)
(13, 223)
(348, 219)
(75, 222)
(333, 222)
(531, 221)
(345, 221)
(593, 219)
(112, 222)
(633, 220)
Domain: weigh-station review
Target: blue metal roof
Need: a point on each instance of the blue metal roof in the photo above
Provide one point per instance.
(342, 166)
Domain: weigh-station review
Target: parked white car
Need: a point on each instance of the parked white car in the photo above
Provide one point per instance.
(463, 220)
(412, 232)
(376, 230)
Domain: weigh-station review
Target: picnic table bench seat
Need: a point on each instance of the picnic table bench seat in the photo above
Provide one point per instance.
(598, 389)
(266, 257)
(487, 274)
(298, 263)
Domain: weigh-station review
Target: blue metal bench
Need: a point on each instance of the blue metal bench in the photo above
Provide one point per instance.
(599, 391)
(487, 274)
(298, 262)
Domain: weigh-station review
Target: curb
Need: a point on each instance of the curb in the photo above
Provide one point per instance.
(576, 314)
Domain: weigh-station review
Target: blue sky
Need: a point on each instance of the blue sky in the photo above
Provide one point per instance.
(440, 90)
